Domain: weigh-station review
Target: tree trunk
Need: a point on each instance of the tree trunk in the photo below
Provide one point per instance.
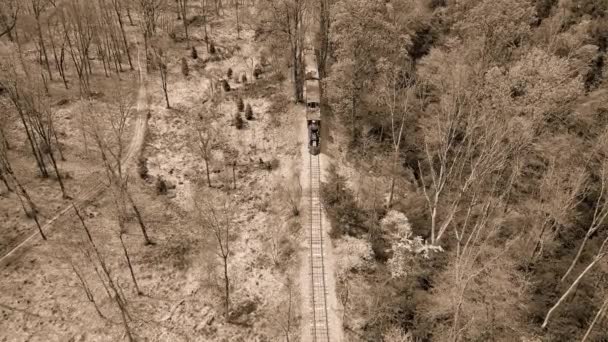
(238, 24)
(43, 48)
(59, 178)
(124, 249)
(578, 255)
(34, 210)
(226, 286)
(4, 180)
(207, 171)
(124, 34)
(31, 138)
(139, 219)
(597, 317)
(572, 287)
(234, 175)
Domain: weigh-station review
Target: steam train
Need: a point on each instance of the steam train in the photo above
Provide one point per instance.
(312, 100)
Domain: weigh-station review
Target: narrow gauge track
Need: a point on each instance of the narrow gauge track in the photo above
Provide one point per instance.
(320, 322)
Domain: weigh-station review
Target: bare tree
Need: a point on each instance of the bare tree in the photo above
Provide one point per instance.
(160, 46)
(6, 173)
(238, 24)
(216, 216)
(601, 253)
(182, 7)
(286, 317)
(206, 138)
(37, 8)
(560, 190)
(285, 18)
(397, 101)
(112, 150)
(150, 11)
(116, 295)
(8, 17)
(117, 5)
(598, 316)
(42, 122)
(14, 86)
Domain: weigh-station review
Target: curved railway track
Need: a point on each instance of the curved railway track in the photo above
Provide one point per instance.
(320, 320)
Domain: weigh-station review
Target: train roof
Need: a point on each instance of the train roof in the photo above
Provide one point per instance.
(310, 64)
(312, 91)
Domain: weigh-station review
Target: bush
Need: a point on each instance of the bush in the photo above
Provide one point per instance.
(211, 48)
(240, 105)
(543, 8)
(244, 78)
(229, 73)
(225, 85)
(161, 186)
(142, 168)
(263, 60)
(185, 70)
(342, 210)
(238, 120)
(194, 53)
(257, 71)
(438, 3)
(270, 165)
(248, 112)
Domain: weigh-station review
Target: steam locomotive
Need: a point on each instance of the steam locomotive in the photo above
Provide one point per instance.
(312, 99)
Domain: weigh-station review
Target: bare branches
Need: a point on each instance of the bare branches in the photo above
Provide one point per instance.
(598, 257)
(216, 215)
(206, 137)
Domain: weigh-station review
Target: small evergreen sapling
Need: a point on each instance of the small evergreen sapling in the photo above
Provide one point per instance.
(244, 78)
(248, 112)
(185, 69)
(229, 73)
(257, 71)
(238, 120)
(194, 53)
(225, 85)
(240, 104)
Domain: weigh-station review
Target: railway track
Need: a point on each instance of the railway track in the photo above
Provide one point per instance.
(320, 321)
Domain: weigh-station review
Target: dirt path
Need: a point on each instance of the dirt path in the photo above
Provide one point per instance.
(309, 281)
(95, 190)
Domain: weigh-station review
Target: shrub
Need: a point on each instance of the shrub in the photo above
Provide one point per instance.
(194, 53)
(263, 60)
(142, 168)
(248, 112)
(225, 85)
(211, 48)
(438, 3)
(161, 186)
(543, 7)
(270, 165)
(238, 120)
(257, 71)
(342, 210)
(229, 73)
(240, 105)
(185, 70)
(244, 78)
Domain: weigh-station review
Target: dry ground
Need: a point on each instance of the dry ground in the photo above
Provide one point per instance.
(43, 299)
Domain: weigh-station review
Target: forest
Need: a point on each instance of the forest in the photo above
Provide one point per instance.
(471, 198)
(156, 183)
